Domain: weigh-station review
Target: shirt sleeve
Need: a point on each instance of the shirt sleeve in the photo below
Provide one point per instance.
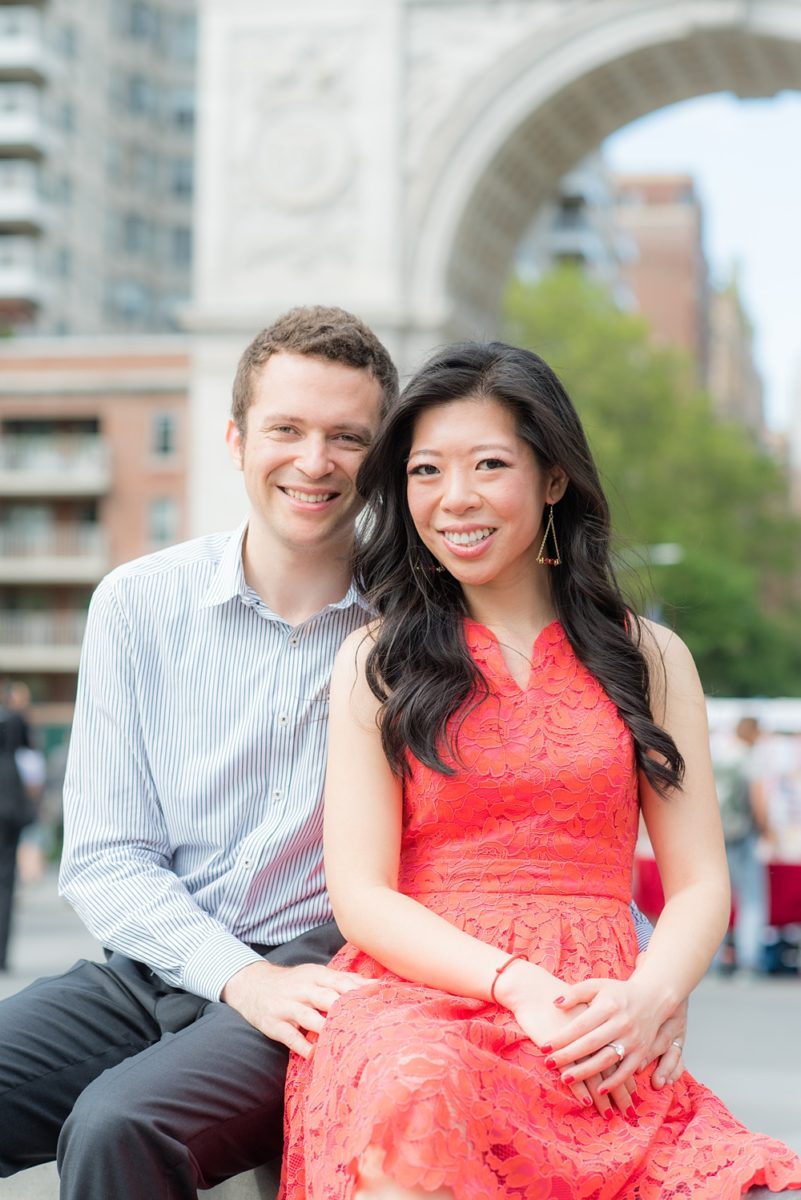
(642, 927)
(116, 868)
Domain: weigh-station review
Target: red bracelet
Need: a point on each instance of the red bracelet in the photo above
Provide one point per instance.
(500, 970)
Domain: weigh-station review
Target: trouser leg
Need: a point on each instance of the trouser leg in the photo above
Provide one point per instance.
(198, 1106)
(9, 837)
(56, 1036)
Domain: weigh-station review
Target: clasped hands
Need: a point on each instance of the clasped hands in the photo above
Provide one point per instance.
(582, 1027)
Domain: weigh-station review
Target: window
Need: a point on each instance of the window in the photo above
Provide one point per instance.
(137, 235)
(164, 431)
(141, 96)
(183, 37)
(181, 246)
(162, 521)
(62, 262)
(182, 177)
(182, 107)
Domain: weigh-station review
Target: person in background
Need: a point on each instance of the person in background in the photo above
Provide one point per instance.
(740, 786)
(16, 810)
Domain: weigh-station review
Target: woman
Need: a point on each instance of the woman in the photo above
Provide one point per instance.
(492, 739)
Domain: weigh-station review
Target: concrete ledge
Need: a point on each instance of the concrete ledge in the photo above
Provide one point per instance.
(41, 1183)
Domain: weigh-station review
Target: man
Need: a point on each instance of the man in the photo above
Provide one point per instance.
(193, 807)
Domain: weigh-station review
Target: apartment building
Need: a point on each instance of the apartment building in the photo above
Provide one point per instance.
(92, 473)
(96, 164)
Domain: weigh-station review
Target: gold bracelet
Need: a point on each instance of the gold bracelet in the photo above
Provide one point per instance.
(500, 970)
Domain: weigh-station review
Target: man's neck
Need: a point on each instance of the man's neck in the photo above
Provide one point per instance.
(294, 583)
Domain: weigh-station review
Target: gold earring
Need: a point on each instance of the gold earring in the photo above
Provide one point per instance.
(550, 528)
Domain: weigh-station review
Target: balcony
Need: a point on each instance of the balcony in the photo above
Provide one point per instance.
(41, 642)
(70, 465)
(70, 554)
(23, 53)
(23, 210)
(24, 131)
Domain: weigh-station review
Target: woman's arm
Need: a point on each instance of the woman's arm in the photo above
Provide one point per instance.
(362, 838)
(687, 838)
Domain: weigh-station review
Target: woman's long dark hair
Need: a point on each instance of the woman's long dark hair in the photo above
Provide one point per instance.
(419, 666)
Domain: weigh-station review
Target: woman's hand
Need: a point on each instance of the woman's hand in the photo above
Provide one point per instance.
(606, 1016)
(535, 1012)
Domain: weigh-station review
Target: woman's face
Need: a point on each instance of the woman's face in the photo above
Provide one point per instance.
(476, 492)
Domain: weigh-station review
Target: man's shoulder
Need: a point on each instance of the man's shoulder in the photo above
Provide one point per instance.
(183, 568)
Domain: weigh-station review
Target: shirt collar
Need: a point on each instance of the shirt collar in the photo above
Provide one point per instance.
(228, 581)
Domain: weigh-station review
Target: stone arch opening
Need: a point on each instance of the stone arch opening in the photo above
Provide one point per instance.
(539, 111)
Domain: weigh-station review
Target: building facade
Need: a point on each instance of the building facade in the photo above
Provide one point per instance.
(97, 111)
(92, 473)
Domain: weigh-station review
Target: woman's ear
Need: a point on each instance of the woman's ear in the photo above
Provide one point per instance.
(556, 485)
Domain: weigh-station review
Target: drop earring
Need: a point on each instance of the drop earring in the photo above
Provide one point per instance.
(542, 558)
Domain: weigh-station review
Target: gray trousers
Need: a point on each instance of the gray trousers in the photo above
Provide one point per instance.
(140, 1090)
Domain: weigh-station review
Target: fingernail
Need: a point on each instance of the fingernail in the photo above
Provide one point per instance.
(559, 1000)
(586, 1101)
(550, 1062)
(546, 1049)
(602, 1091)
(568, 1079)
(635, 1099)
(607, 1114)
(631, 1112)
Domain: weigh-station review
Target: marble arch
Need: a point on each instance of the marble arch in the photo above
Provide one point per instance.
(388, 155)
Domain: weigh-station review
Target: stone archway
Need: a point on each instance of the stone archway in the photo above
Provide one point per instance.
(388, 157)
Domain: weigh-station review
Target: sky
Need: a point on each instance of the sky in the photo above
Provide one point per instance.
(745, 157)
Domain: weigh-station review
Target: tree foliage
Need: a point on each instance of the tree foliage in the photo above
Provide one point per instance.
(675, 474)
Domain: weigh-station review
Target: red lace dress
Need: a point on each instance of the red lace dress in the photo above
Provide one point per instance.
(528, 847)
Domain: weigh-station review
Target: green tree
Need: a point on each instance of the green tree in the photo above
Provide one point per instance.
(676, 474)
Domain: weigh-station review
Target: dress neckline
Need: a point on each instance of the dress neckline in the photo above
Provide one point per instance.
(488, 642)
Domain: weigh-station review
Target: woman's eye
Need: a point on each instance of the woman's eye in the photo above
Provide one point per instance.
(423, 469)
(492, 464)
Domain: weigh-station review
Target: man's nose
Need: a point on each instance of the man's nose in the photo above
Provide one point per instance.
(314, 459)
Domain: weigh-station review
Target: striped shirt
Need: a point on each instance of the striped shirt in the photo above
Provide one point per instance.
(193, 793)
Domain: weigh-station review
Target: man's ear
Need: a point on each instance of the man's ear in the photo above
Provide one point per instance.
(557, 485)
(234, 441)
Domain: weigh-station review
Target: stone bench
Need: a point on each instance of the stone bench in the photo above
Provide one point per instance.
(41, 1183)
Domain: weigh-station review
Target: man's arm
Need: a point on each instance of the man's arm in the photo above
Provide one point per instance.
(117, 865)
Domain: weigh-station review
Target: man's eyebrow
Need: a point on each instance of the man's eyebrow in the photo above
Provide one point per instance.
(363, 431)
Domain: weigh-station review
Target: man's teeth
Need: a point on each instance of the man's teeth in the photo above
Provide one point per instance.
(310, 497)
(467, 539)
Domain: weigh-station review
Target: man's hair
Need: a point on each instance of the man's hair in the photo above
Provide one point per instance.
(319, 332)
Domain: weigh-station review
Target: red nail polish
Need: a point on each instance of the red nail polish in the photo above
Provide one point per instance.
(607, 1114)
(546, 1049)
(568, 1079)
(631, 1112)
(602, 1091)
(587, 1101)
(559, 1000)
(550, 1062)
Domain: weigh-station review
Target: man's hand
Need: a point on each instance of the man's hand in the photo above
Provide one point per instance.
(281, 1002)
(667, 1047)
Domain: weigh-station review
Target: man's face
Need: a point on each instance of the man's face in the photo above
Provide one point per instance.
(308, 428)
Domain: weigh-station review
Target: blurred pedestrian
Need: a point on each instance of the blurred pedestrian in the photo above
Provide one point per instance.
(16, 811)
(741, 796)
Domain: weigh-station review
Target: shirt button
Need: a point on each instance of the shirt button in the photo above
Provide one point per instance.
(293, 641)
(277, 793)
(282, 720)
(246, 862)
